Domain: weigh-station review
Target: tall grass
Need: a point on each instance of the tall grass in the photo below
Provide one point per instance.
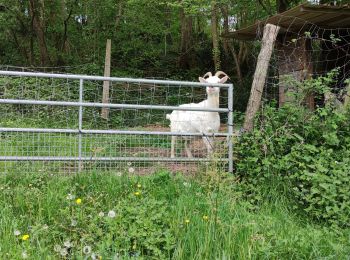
(160, 216)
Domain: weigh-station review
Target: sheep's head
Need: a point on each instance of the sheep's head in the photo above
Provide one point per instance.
(209, 78)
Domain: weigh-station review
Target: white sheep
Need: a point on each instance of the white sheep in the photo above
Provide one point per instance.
(198, 121)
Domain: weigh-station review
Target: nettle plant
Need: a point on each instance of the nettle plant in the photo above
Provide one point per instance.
(305, 152)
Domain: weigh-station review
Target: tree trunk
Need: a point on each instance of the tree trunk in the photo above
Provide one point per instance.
(214, 33)
(39, 31)
(186, 40)
(269, 37)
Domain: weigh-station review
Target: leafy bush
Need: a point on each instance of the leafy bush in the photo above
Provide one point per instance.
(305, 151)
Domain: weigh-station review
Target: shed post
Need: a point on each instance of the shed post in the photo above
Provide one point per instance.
(107, 73)
(268, 40)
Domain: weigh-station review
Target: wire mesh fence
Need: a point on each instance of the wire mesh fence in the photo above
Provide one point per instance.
(53, 123)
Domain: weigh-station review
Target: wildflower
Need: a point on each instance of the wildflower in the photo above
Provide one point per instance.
(128, 164)
(70, 196)
(78, 201)
(205, 217)
(67, 244)
(25, 237)
(187, 221)
(139, 186)
(118, 174)
(111, 214)
(16, 233)
(137, 193)
(64, 252)
(87, 250)
(73, 223)
(24, 255)
(186, 184)
(45, 227)
(131, 170)
(101, 214)
(57, 248)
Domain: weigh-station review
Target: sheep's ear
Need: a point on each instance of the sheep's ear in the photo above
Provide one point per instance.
(224, 79)
(202, 80)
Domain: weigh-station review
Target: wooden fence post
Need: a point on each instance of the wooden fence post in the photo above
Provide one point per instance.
(269, 37)
(107, 73)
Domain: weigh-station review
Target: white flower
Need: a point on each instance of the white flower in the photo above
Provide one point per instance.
(57, 248)
(45, 227)
(87, 250)
(64, 252)
(70, 196)
(111, 214)
(119, 174)
(24, 255)
(101, 214)
(67, 244)
(74, 223)
(16, 232)
(128, 164)
(131, 170)
(186, 184)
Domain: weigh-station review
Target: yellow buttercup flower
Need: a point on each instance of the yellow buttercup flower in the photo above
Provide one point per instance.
(137, 193)
(25, 237)
(205, 217)
(187, 221)
(78, 201)
(139, 186)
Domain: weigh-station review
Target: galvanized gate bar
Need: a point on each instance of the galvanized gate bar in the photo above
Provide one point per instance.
(89, 104)
(129, 80)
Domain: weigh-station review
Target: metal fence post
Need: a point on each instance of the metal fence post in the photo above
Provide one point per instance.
(80, 165)
(230, 128)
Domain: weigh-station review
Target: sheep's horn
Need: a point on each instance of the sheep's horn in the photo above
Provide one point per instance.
(208, 74)
(219, 73)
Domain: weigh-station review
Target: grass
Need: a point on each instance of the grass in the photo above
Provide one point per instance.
(160, 216)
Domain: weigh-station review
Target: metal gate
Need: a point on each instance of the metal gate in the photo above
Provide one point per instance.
(52, 123)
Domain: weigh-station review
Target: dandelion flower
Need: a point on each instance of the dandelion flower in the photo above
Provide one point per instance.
(187, 221)
(139, 186)
(137, 193)
(87, 250)
(131, 170)
(111, 214)
(205, 217)
(67, 244)
(25, 237)
(16, 233)
(101, 214)
(57, 248)
(78, 201)
(64, 252)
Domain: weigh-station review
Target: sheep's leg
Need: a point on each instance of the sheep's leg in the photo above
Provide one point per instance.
(187, 149)
(173, 142)
(208, 141)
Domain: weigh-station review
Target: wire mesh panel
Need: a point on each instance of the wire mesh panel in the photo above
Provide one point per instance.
(53, 123)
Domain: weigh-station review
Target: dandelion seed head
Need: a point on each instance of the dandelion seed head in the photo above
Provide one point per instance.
(87, 250)
(111, 214)
(16, 232)
(24, 255)
(63, 252)
(57, 248)
(70, 196)
(74, 223)
(131, 170)
(101, 214)
(128, 164)
(67, 244)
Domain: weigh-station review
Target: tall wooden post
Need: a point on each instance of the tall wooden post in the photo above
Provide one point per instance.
(269, 37)
(107, 73)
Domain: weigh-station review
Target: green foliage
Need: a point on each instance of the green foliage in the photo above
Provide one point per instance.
(308, 151)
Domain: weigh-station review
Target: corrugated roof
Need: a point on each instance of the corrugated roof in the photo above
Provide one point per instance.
(298, 19)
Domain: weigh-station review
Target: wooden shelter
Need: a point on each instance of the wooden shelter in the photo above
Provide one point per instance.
(299, 29)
